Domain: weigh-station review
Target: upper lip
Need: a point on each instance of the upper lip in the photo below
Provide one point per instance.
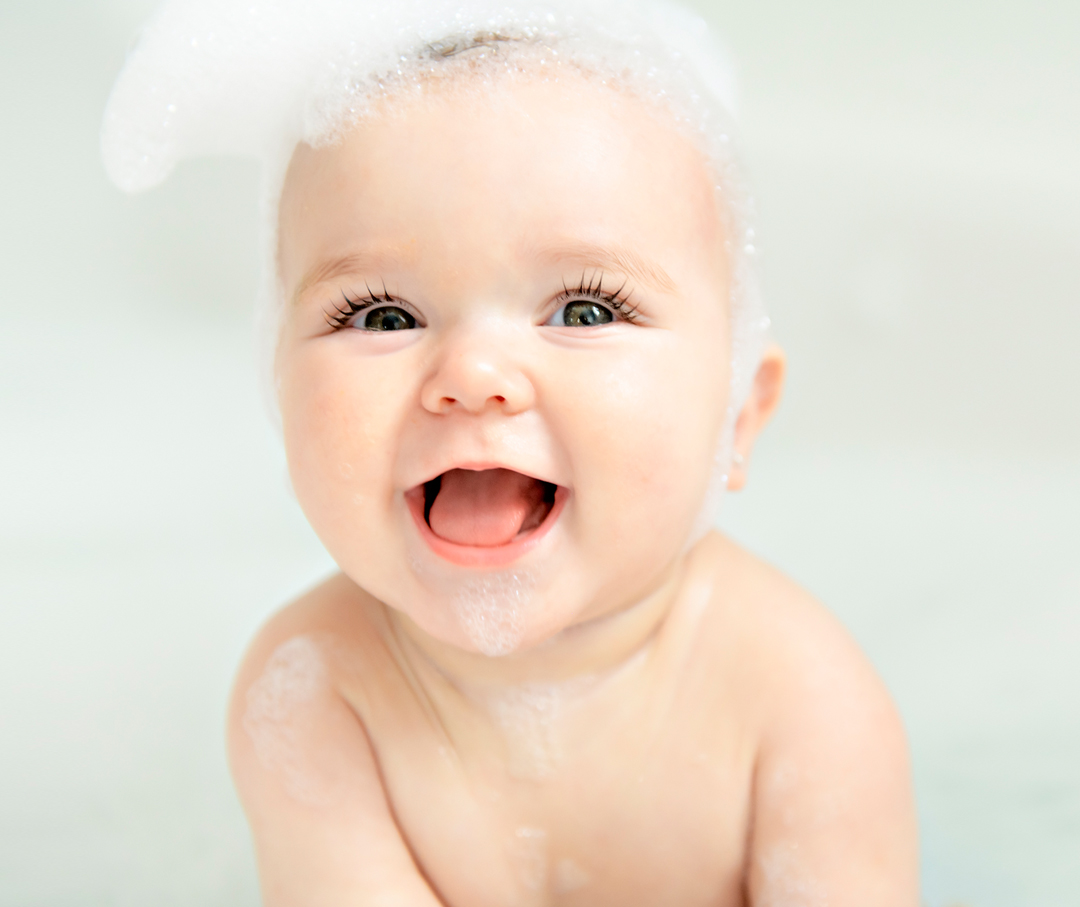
(480, 465)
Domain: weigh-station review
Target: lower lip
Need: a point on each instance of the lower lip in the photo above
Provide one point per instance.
(474, 555)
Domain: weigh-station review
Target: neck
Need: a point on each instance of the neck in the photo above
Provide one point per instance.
(591, 648)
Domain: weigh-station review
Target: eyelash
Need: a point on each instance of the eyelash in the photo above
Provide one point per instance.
(342, 313)
(618, 302)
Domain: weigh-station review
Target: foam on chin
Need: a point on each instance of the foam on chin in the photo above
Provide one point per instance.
(492, 610)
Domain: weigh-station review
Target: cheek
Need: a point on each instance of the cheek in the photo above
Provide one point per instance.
(650, 430)
(338, 419)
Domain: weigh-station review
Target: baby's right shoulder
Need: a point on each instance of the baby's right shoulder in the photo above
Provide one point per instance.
(336, 627)
(302, 753)
(336, 607)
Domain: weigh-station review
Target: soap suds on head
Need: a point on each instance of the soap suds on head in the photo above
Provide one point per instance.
(279, 712)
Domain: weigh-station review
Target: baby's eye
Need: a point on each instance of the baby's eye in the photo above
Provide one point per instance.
(373, 313)
(388, 318)
(582, 313)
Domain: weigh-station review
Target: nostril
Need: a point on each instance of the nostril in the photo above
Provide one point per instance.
(501, 399)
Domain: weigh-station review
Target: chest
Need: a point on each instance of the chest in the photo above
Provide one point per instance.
(622, 810)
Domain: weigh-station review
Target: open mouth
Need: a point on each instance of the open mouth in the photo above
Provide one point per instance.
(483, 511)
(485, 508)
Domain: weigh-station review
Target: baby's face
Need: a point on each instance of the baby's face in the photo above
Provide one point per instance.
(505, 360)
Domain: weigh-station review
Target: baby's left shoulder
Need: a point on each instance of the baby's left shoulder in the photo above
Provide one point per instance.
(832, 802)
(780, 639)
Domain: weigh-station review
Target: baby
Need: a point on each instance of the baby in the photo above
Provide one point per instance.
(539, 678)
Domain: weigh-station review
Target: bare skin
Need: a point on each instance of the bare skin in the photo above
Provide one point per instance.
(666, 721)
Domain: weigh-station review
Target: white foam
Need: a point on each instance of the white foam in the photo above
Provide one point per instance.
(279, 707)
(569, 876)
(527, 715)
(530, 848)
(491, 609)
(240, 76)
(787, 880)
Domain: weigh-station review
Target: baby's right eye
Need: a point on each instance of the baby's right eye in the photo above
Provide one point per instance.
(388, 318)
(377, 314)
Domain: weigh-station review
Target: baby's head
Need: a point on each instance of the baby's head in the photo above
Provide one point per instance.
(513, 316)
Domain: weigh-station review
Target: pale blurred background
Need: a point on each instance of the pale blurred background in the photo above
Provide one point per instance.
(918, 175)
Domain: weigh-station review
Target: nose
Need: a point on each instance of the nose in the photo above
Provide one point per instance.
(476, 374)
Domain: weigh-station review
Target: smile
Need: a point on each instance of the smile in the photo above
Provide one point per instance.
(484, 517)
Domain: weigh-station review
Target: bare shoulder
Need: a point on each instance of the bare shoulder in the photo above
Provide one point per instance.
(335, 608)
(304, 764)
(303, 664)
(288, 676)
(833, 815)
(794, 651)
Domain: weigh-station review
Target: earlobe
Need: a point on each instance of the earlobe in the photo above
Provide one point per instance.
(760, 405)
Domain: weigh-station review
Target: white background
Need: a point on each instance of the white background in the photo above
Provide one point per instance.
(918, 175)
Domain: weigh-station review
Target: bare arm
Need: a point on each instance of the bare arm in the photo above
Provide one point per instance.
(304, 768)
(834, 819)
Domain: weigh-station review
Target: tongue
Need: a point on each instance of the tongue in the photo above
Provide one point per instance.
(486, 507)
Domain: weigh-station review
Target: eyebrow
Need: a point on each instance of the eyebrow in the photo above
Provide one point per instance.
(585, 254)
(613, 258)
(355, 263)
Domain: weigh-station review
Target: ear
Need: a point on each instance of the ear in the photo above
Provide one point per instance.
(760, 405)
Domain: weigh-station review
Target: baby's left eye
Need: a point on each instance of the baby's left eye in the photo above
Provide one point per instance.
(582, 313)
